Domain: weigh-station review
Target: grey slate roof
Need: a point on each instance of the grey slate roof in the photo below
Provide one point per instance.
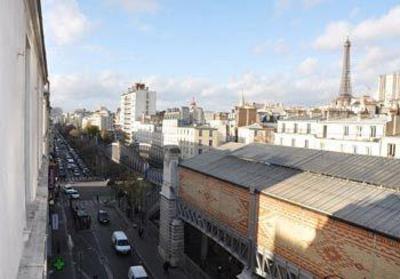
(345, 186)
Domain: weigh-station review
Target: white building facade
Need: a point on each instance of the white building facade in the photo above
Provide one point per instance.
(376, 136)
(101, 118)
(137, 102)
(389, 87)
(192, 140)
(24, 141)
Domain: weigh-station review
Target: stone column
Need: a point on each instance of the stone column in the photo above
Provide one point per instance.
(171, 228)
(252, 236)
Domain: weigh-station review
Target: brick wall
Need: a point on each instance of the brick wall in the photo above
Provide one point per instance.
(222, 201)
(322, 245)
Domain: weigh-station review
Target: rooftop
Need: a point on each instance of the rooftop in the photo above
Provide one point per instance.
(359, 189)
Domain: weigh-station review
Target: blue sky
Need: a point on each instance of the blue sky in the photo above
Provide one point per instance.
(273, 51)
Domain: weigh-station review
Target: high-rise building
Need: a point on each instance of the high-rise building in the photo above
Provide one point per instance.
(389, 87)
(138, 101)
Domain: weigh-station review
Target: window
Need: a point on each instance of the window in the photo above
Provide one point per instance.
(293, 142)
(391, 150)
(346, 130)
(359, 131)
(200, 132)
(200, 142)
(283, 127)
(295, 128)
(211, 133)
(372, 131)
(306, 143)
(308, 128)
(210, 143)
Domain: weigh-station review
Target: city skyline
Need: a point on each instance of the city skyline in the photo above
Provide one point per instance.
(97, 51)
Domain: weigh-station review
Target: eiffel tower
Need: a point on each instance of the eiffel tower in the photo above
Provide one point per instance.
(345, 95)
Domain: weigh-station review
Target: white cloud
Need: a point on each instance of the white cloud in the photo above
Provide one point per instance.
(279, 47)
(370, 30)
(308, 66)
(86, 90)
(137, 6)
(334, 35)
(386, 26)
(64, 21)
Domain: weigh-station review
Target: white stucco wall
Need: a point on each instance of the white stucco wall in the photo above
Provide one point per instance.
(358, 140)
(22, 128)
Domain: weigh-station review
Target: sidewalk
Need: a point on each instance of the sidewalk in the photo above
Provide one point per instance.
(59, 245)
(147, 249)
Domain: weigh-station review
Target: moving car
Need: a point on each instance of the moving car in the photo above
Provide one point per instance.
(120, 242)
(102, 216)
(137, 272)
(66, 188)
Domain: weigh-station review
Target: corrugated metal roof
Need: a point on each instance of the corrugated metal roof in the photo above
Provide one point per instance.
(362, 204)
(369, 169)
(327, 182)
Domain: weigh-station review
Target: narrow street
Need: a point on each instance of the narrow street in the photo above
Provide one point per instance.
(93, 254)
(86, 251)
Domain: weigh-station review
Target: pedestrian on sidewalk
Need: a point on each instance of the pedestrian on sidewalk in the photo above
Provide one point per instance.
(219, 271)
(97, 197)
(166, 266)
(140, 231)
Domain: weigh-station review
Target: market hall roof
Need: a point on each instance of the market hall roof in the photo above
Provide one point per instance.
(359, 189)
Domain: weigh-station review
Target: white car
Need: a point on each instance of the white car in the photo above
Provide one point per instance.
(67, 187)
(137, 272)
(72, 193)
(120, 242)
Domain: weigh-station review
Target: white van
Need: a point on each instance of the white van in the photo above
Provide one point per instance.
(120, 242)
(137, 272)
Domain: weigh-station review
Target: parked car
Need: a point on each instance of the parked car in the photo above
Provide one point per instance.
(120, 242)
(137, 272)
(103, 217)
(72, 193)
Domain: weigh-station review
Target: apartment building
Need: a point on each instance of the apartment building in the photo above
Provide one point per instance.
(363, 134)
(194, 140)
(137, 102)
(102, 118)
(262, 133)
(191, 139)
(24, 142)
